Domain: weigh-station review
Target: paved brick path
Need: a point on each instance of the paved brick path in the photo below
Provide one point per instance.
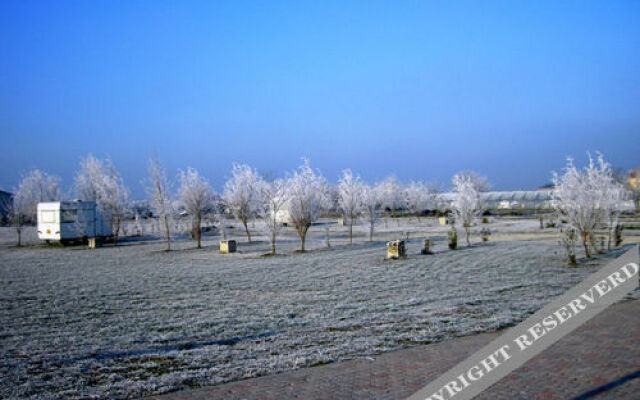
(600, 360)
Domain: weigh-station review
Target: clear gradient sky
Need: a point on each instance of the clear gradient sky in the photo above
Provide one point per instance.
(419, 89)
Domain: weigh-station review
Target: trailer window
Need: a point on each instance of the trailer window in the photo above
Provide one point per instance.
(48, 217)
(68, 216)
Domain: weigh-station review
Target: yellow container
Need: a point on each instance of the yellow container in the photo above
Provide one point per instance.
(227, 246)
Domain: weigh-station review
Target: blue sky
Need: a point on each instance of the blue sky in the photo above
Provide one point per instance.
(418, 89)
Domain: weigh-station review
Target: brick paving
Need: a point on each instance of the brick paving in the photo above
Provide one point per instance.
(600, 360)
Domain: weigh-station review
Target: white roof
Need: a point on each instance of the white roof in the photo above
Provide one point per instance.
(513, 195)
(66, 205)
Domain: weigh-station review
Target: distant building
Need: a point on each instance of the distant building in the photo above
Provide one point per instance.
(634, 184)
(6, 199)
(518, 199)
(505, 200)
(634, 178)
(546, 186)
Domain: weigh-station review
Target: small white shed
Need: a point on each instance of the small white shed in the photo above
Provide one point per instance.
(284, 217)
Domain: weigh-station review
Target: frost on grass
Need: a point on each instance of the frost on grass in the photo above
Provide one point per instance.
(124, 323)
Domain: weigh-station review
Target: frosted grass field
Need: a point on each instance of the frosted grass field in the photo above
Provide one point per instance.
(135, 321)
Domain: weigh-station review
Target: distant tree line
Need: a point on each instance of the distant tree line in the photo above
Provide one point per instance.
(584, 198)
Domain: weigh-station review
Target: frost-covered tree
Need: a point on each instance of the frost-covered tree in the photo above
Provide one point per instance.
(18, 215)
(159, 191)
(415, 197)
(479, 182)
(35, 187)
(307, 192)
(274, 199)
(575, 197)
(88, 179)
(99, 181)
(614, 196)
(587, 197)
(613, 193)
(333, 194)
(393, 195)
(372, 204)
(418, 195)
(350, 199)
(197, 198)
(242, 194)
(466, 204)
(113, 198)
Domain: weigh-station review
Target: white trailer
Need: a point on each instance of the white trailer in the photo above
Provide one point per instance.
(67, 221)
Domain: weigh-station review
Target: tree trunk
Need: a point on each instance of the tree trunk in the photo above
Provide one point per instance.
(116, 230)
(596, 247)
(19, 231)
(466, 231)
(246, 229)
(166, 232)
(584, 237)
(273, 242)
(198, 232)
(302, 232)
(350, 232)
(371, 231)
